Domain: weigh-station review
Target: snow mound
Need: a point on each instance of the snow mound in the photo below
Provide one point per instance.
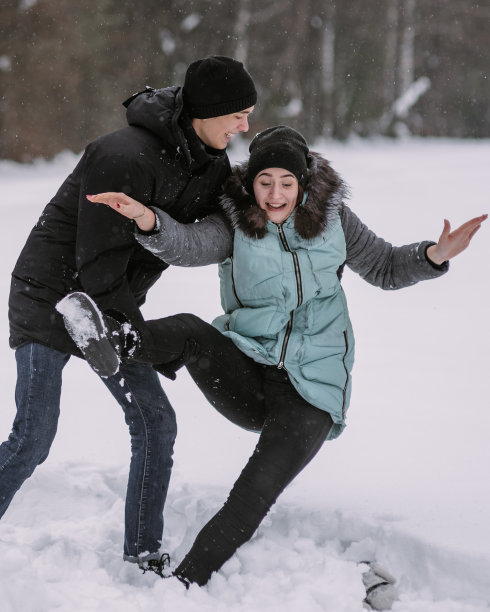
(63, 552)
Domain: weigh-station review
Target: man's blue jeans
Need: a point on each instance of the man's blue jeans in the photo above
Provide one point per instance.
(152, 427)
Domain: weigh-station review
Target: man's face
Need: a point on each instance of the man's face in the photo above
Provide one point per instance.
(216, 132)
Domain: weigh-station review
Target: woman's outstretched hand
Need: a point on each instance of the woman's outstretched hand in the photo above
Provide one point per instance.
(143, 216)
(452, 243)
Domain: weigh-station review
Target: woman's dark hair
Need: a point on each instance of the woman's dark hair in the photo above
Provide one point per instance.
(305, 183)
(301, 193)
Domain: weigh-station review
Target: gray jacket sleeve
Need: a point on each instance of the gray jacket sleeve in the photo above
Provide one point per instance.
(380, 263)
(202, 243)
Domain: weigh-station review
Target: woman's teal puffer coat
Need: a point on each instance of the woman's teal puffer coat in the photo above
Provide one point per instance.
(283, 301)
(285, 307)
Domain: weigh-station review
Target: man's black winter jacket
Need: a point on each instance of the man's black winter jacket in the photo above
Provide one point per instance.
(80, 246)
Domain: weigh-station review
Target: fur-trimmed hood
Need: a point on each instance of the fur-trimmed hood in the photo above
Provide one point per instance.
(325, 188)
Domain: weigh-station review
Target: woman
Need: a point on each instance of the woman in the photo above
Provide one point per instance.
(278, 361)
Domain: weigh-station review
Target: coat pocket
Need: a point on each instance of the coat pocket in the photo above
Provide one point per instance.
(327, 361)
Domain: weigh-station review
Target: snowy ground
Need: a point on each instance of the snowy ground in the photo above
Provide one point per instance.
(405, 484)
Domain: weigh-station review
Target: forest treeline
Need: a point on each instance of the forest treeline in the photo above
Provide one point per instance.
(331, 69)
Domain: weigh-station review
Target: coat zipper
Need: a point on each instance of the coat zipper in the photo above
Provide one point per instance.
(227, 324)
(233, 286)
(299, 286)
(344, 392)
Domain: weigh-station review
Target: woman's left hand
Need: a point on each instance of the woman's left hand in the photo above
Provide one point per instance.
(143, 216)
(452, 243)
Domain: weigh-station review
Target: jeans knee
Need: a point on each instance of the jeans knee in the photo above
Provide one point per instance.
(166, 424)
(155, 422)
(25, 454)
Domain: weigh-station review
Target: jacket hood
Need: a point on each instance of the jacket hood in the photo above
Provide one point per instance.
(161, 111)
(158, 110)
(325, 188)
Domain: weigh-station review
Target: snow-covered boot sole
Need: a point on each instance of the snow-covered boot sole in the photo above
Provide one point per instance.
(86, 325)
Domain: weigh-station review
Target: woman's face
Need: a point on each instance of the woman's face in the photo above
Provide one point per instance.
(276, 192)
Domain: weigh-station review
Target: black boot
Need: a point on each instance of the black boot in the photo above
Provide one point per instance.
(160, 566)
(101, 338)
(380, 587)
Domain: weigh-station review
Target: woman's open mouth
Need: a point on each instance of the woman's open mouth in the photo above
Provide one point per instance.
(275, 206)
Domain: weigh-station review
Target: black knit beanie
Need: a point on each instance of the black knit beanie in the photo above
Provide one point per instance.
(278, 147)
(217, 85)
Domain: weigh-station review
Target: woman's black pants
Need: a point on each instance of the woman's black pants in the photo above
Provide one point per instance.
(256, 397)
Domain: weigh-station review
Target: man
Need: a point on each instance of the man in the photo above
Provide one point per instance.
(172, 155)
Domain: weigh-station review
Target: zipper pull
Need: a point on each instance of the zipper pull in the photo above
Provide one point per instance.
(280, 365)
